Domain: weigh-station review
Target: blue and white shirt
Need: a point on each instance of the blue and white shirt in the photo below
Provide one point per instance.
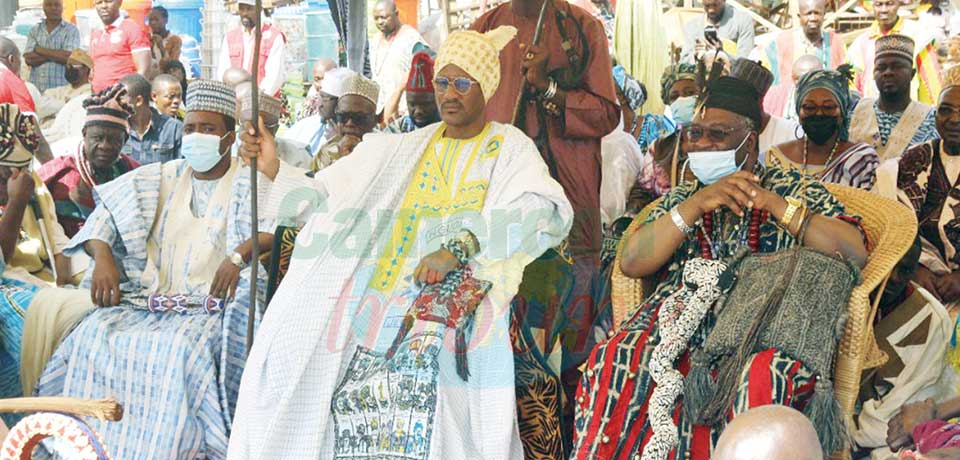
(64, 37)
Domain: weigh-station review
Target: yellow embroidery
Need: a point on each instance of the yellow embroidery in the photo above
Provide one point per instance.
(429, 194)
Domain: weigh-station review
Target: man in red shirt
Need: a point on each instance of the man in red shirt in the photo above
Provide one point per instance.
(120, 48)
(12, 88)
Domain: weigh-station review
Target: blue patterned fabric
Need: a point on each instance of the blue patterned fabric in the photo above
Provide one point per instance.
(176, 375)
(654, 127)
(66, 37)
(401, 125)
(886, 121)
(15, 297)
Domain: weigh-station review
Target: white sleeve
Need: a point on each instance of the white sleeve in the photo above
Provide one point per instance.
(223, 62)
(276, 63)
(291, 196)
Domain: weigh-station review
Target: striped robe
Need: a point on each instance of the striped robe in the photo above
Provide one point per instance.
(176, 375)
(855, 167)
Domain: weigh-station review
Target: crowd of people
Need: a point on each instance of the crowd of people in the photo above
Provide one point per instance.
(438, 238)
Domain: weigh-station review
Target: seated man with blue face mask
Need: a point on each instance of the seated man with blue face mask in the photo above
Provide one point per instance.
(735, 203)
(169, 243)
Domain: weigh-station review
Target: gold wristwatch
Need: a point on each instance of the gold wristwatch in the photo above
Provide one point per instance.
(793, 205)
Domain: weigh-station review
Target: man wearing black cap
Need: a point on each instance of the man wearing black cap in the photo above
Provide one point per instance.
(735, 203)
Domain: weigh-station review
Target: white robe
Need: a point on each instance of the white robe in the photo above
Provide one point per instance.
(313, 328)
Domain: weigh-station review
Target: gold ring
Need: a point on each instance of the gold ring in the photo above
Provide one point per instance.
(529, 56)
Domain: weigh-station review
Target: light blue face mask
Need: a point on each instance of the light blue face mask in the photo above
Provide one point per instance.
(202, 151)
(682, 110)
(711, 166)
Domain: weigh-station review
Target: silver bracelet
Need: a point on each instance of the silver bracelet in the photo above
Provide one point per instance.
(679, 222)
(551, 90)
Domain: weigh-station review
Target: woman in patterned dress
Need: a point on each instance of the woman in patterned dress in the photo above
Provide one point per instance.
(614, 402)
(823, 103)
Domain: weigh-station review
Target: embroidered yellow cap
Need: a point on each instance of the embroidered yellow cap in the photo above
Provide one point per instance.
(477, 54)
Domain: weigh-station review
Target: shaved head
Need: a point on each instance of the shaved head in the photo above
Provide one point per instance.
(804, 65)
(235, 75)
(386, 17)
(10, 54)
(822, 4)
(387, 5)
(160, 81)
(771, 432)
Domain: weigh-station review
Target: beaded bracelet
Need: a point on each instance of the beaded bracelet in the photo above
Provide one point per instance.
(456, 248)
(464, 245)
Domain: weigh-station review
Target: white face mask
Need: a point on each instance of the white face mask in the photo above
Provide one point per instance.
(202, 151)
(711, 166)
(682, 109)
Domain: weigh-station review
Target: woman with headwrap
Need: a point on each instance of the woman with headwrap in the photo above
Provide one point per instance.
(664, 164)
(679, 90)
(823, 103)
(631, 95)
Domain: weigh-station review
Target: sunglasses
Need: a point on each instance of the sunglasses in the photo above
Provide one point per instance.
(461, 85)
(358, 118)
(717, 135)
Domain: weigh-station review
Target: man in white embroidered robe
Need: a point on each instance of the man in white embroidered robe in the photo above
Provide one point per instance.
(318, 385)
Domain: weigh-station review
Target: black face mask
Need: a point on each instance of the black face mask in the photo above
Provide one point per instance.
(819, 128)
(72, 75)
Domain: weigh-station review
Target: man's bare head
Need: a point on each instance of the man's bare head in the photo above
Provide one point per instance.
(771, 432)
(10, 54)
(386, 17)
(804, 65)
(235, 75)
(319, 69)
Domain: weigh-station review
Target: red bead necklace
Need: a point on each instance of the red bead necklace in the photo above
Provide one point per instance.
(757, 218)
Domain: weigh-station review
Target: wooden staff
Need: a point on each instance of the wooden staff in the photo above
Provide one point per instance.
(254, 227)
(523, 84)
(103, 409)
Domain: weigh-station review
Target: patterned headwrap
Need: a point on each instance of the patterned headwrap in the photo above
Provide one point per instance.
(19, 136)
(477, 54)
(364, 87)
(211, 96)
(835, 81)
(108, 108)
(420, 79)
(632, 89)
(673, 74)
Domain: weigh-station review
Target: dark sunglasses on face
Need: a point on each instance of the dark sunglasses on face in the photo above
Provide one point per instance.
(461, 85)
(715, 134)
(359, 118)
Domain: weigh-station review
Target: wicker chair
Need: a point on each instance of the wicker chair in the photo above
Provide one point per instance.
(890, 229)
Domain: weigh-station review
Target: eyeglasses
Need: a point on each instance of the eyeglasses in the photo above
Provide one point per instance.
(810, 110)
(358, 118)
(461, 84)
(717, 135)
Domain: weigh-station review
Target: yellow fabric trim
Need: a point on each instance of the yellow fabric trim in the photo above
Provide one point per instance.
(430, 193)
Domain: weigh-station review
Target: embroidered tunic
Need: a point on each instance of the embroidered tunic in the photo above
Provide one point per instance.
(613, 400)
